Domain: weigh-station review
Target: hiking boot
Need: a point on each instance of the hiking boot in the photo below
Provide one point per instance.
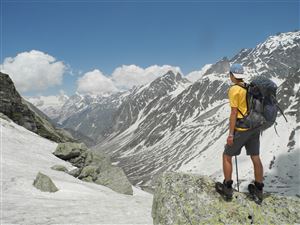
(259, 190)
(225, 189)
(256, 189)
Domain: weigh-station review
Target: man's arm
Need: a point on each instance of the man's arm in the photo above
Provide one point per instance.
(232, 121)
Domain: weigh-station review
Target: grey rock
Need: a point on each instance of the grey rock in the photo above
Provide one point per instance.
(68, 150)
(88, 171)
(75, 172)
(59, 168)
(88, 179)
(98, 158)
(191, 199)
(114, 178)
(44, 183)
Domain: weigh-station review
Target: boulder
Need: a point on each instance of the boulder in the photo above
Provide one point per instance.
(114, 178)
(69, 150)
(59, 168)
(44, 183)
(191, 199)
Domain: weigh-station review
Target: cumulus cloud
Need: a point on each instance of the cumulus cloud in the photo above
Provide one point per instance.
(127, 76)
(95, 82)
(122, 78)
(34, 70)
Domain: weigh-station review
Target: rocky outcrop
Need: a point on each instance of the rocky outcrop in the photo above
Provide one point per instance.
(12, 106)
(191, 199)
(25, 114)
(94, 167)
(44, 183)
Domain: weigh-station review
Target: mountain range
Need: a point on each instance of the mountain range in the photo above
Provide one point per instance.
(175, 124)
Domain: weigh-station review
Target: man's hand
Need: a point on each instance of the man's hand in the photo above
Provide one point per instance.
(230, 140)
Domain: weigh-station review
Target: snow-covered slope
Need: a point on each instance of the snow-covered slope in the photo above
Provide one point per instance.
(24, 154)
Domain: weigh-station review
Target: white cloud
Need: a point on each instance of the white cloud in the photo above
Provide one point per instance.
(122, 78)
(196, 75)
(127, 76)
(34, 70)
(95, 82)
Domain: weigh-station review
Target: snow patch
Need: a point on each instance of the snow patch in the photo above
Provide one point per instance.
(24, 154)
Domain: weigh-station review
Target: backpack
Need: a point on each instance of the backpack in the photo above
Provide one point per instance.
(262, 106)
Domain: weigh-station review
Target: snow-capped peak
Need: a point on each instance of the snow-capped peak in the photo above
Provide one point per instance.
(283, 40)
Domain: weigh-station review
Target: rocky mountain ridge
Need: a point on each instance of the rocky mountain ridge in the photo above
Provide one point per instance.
(181, 132)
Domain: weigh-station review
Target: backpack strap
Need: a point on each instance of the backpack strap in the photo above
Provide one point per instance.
(241, 112)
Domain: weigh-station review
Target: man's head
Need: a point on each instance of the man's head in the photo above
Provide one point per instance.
(237, 72)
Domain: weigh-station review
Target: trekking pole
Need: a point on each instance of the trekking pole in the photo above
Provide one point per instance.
(237, 174)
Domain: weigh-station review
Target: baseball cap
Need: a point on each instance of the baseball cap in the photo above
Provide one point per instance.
(238, 71)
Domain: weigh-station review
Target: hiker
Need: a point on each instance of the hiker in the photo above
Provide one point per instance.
(240, 137)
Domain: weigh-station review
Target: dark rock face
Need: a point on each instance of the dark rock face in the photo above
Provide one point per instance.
(191, 199)
(12, 106)
(25, 114)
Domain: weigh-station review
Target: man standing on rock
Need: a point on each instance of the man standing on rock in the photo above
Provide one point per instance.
(240, 136)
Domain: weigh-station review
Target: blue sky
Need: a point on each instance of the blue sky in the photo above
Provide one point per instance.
(105, 35)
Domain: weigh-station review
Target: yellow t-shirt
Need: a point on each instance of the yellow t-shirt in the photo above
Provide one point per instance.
(237, 99)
